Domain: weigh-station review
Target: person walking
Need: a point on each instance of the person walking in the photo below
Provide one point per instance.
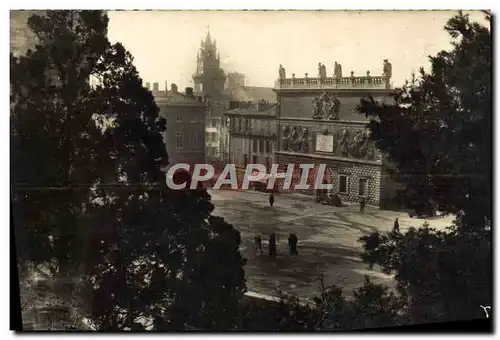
(271, 199)
(362, 203)
(272, 245)
(396, 226)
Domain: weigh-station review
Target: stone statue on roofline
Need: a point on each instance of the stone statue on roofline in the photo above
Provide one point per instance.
(387, 70)
(282, 72)
(337, 70)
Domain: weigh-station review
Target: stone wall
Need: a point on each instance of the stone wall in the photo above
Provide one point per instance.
(300, 105)
(192, 123)
(354, 170)
(350, 140)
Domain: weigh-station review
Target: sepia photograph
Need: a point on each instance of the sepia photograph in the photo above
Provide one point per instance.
(251, 171)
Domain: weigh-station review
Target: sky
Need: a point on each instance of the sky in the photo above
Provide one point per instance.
(165, 43)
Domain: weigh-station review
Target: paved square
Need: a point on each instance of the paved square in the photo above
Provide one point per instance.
(328, 240)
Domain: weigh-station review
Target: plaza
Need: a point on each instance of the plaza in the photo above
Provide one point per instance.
(328, 240)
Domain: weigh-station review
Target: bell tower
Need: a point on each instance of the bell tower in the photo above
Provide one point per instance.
(209, 78)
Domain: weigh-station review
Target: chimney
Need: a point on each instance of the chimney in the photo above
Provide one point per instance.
(166, 87)
(156, 87)
(173, 88)
(189, 91)
(148, 85)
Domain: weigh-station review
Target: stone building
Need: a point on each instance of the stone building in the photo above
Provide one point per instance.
(185, 115)
(252, 134)
(218, 90)
(318, 124)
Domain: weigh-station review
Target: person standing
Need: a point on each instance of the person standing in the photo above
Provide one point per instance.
(362, 203)
(272, 245)
(271, 199)
(292, 244)
(396, 226)
(258, 245)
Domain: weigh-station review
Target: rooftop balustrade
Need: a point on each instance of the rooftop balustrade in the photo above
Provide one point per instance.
(352, 82)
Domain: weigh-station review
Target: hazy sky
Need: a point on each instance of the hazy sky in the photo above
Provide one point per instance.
(165, 43)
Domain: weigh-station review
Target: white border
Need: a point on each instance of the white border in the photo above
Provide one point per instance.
(194, 4)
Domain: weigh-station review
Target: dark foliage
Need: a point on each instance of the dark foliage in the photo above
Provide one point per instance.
(90, 196)
(438, 134)
(437, 131)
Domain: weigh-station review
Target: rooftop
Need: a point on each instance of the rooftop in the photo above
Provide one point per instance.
(253, 93)
(175, 97)
(261, 108)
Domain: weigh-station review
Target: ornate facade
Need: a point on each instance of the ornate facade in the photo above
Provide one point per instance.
(318, 124)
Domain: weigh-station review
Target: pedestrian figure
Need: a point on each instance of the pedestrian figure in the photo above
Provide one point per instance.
(271, 199)
(272, 245)
(396, 226)
(258, 245)
(362, 203)
(292, 244)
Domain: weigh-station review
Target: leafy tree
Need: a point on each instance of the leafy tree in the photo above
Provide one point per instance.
(151, 257)
(370, 306)
(438, 134)
(438, 129)
(441, 275)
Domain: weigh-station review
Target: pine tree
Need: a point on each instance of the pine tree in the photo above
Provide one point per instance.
(438, 133)
(438, 129)
(90, 195)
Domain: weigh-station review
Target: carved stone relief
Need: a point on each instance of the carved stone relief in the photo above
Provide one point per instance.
(285, 138)
(343, 144)
(326, 107)
(346, 143)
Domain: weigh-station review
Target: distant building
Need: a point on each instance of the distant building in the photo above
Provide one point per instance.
(252, 134)
(318, 124)
(219, 90)
(209, 78)
(185, 115)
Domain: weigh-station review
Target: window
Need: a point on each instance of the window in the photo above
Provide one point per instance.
(192, 119)
(343, 189)
(239, 124)
(194, 140)
(207, 136)
(178, 140)
(245, 159)
(261, 146)
(254, 159)
(268, 146)
(178, 118)
(213, 137)
(363, 187)
(254, 145)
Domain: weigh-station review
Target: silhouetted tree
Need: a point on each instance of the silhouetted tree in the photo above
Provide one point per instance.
(90, 194)
(438, 129)
(438, 134)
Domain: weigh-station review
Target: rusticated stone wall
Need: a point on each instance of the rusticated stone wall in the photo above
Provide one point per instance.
(334, 168)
